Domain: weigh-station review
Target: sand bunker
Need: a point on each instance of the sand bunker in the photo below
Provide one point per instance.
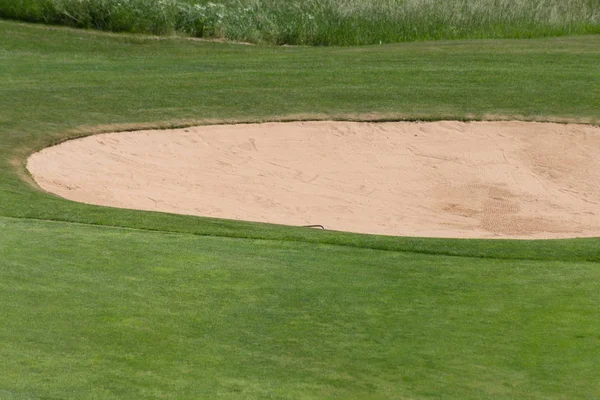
(443, 179)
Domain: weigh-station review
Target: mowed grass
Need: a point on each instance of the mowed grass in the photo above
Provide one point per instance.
(185, 308)
(90, 312)
(61, 83)
(320, 22)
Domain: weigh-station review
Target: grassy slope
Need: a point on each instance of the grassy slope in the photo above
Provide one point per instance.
(140, 314)
(176, 316)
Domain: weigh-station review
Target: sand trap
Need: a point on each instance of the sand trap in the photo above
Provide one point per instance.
(443, 179)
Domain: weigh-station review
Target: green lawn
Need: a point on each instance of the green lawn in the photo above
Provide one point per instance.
(91, 312)
(102, 303)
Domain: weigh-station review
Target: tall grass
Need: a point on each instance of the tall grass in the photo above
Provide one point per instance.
(144, 16)
(320, 22)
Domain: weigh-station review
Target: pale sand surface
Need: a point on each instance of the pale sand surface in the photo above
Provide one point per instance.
(441, 179)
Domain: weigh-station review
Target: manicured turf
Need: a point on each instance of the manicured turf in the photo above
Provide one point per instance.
(91, 312)
(186, 307)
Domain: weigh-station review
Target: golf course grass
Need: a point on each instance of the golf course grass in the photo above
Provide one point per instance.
(104, 303)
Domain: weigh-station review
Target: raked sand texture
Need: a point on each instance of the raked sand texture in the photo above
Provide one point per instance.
(440, 179)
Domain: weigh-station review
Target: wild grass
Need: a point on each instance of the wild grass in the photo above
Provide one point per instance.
(320, 22)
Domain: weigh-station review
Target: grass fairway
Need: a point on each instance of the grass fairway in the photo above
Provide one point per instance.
(101, 303)
(91, 312)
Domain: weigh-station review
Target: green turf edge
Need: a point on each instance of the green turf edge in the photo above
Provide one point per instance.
(18, 202)
(577, 249)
